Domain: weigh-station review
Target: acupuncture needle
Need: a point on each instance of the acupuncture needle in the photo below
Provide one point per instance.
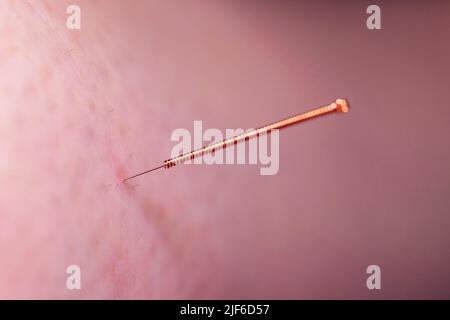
(340, 105)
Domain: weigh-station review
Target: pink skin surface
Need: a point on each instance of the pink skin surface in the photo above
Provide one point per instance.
(81, 110)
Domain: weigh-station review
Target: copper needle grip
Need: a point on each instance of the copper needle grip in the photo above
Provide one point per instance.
(340, 105)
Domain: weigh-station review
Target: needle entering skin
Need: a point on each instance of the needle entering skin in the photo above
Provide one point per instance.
(142, 173)
(340, 105)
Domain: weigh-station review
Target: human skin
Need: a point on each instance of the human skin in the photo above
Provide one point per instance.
(80, 110)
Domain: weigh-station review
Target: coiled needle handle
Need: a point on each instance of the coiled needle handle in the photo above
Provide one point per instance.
(340, 105)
